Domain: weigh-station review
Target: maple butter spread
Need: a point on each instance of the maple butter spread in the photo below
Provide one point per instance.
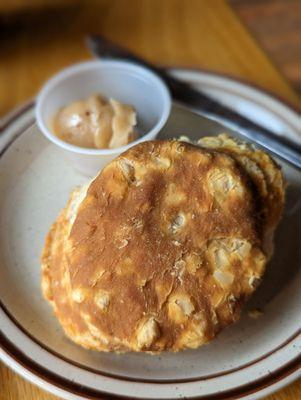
(96, 122)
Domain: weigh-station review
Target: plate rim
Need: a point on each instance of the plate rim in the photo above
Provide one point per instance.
(70, 387)
(279, 375)
(251, 363)
(242, 81)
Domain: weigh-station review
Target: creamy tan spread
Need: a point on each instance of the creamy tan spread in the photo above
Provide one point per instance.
(96, 122)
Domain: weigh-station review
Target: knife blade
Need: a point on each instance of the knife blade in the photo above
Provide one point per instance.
(184, 93)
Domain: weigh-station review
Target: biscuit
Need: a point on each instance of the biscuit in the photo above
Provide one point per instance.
(265, 174)
(159, 252)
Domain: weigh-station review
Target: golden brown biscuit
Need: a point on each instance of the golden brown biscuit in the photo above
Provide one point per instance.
(264, 173)
(159, 253)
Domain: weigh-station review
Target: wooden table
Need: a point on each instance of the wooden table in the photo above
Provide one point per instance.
(199, 34)
(276, 24)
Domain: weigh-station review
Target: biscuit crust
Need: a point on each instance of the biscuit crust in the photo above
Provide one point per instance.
(160, 252)
(266, 176)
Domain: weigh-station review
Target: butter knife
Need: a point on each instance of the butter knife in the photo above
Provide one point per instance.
(227, 118)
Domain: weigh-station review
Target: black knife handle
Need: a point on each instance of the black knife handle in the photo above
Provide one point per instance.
(184, 93)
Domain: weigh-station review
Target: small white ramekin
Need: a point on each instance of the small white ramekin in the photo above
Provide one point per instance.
(121, 80)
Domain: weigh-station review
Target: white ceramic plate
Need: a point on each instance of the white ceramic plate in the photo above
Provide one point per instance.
(247, 361)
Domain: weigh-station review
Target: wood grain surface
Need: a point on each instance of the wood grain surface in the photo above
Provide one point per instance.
(191, 33)
(276, 24)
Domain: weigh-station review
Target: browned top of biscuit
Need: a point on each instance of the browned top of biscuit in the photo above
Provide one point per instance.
(263, 172)
(162, 253)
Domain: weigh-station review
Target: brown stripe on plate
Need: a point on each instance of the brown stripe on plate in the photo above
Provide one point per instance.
(87, 393)
(144, 380)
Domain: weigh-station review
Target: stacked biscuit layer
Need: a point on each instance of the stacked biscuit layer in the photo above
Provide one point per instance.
(162, 249)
